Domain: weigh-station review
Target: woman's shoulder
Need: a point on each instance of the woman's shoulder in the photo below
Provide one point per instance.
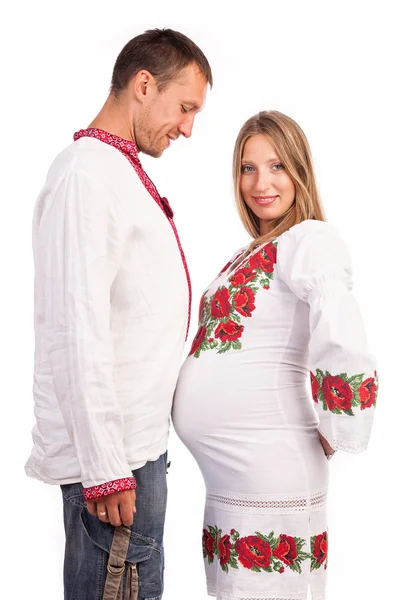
(310, 229)
(311, 236)
(310, 252)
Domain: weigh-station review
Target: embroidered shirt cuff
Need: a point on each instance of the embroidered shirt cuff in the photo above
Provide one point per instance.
(105, 489)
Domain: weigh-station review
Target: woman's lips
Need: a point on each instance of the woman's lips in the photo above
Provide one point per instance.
(264, 200)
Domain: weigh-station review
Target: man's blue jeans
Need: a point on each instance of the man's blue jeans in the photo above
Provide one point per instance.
(88, 540)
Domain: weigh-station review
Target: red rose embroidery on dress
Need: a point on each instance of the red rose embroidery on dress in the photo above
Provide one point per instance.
(221, 314)
(244, 301)
(208, 544)
(198, 339)
(201, 306)
(314, 387)
(229, 331)
(343, 393)
(286, 550)
(243, 276)
(367, 393)
(257, 552)
(319, 549)
(253, 552)
(337, 393)
(264, 259)
(220, 306)
(224, 549)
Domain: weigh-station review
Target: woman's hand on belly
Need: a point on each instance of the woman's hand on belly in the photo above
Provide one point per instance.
(325, 445)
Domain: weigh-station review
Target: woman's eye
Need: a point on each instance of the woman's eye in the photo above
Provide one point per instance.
(278, 167)
(183, 109)
(246, 168)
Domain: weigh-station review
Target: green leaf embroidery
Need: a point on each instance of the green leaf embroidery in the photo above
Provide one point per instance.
(268, 569)
(234, 316)
(256, 569)
(236, 344)
(356, 380)
(295, 567)
(213, 531)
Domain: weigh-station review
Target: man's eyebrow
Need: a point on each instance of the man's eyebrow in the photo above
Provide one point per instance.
(192, 105)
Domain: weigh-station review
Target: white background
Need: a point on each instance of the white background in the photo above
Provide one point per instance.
(329, 65)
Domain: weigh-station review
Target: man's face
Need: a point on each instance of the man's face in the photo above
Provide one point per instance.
(166, 115)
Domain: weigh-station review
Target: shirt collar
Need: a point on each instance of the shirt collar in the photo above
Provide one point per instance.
(126, 146)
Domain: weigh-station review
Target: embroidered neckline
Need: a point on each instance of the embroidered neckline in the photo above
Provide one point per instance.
(126, 146)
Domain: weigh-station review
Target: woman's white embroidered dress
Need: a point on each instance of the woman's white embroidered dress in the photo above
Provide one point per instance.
(280, 353)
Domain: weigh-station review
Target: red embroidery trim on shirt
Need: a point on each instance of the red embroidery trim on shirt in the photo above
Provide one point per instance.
(105, 489)
(130, 151)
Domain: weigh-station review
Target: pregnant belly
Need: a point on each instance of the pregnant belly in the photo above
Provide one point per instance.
(246, 402)
(251, 439)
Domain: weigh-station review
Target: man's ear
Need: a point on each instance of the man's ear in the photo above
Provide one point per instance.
(144, 85)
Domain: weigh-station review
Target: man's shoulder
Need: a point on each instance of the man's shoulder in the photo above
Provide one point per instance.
(90, 156)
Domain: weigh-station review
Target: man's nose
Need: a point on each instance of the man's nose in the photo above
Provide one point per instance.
(185, 128)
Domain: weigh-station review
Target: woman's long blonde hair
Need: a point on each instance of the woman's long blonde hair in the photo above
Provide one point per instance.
(291, 145)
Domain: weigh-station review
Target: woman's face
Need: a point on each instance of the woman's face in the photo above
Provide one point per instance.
(264, 184)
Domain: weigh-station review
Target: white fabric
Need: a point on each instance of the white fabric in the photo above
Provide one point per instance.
(111, 307)
(247, 415)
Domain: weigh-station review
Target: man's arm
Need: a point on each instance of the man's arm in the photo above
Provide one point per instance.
(80, 244)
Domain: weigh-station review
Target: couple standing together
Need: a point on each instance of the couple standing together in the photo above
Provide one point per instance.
(278, 376)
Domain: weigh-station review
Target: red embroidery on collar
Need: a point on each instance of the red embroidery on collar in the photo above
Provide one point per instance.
(129, 149)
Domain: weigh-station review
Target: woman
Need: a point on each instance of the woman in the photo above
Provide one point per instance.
(277, 379)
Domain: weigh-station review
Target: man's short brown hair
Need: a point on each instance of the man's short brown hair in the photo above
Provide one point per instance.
(162, 52)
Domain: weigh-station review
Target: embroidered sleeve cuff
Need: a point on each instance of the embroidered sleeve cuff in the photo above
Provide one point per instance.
(105, 489)
(341, 394)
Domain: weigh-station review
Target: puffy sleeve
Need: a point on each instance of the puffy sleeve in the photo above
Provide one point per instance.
(314, 263)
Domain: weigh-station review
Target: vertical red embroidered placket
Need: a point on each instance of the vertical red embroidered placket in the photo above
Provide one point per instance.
(129, 149)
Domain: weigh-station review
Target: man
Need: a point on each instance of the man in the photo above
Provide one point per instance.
(112, 304)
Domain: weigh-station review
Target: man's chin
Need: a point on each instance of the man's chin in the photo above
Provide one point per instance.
(154, 152)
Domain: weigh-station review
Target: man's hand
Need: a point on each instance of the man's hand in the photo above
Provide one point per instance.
(117, 508)
(325, 445)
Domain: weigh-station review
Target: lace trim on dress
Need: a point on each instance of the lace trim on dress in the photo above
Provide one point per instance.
(275, 504)
(352, 448)
(212, 591)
